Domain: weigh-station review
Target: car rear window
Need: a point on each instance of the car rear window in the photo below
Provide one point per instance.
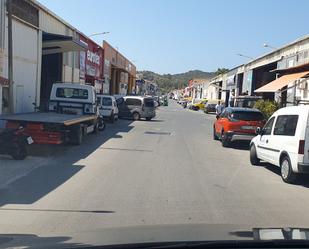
(149, 103)
(71, 93)
(135, 102)
(106, 101)
(247, 116)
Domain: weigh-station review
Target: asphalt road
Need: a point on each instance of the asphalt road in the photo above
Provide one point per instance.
(167, 171)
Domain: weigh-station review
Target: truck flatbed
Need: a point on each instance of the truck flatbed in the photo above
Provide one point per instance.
(48, 117)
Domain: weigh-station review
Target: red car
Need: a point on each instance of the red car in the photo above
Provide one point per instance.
(236, 123)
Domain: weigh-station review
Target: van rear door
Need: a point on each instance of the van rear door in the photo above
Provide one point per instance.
(305, 135)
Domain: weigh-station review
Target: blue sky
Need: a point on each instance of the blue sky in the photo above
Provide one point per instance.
(174, 36)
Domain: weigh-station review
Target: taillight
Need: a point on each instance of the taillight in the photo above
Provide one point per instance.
(301, 147)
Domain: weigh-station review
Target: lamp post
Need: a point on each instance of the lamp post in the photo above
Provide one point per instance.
(246, 56)
(100, 33)
(265, 45)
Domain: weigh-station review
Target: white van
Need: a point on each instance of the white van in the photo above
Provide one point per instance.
(108, 107)
(284, 142)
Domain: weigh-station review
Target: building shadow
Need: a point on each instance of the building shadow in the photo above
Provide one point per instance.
(35, 241)
(52, 174)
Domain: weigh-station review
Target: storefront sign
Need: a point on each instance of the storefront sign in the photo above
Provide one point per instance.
(91, 62)
(82, 65)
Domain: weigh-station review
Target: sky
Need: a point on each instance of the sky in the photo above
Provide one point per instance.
(175, 36)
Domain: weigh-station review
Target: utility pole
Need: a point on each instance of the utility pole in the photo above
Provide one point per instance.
(10, 56)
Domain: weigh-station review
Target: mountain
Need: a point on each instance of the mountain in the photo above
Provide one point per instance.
(168, 82)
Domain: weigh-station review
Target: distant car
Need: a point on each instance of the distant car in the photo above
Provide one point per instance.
(284, 142)
(236, 123)
(210, 107)
(136, 107)
(108, 107)
(199, 105)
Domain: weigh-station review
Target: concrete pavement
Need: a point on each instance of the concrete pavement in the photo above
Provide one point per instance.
(167, 171)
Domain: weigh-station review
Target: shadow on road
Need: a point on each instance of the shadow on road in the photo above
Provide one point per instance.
(34, 241)
(59, 169)
(240, 145)
(302, 179)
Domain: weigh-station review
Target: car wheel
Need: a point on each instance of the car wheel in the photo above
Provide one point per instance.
(286, 170)
(148, 118)
(215, 137)
(254, 160)
(101, 125)
(20, 152)
(136, 116)
(112, 118)
(224, 141)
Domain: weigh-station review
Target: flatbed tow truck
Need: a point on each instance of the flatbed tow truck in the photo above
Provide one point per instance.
(72, 113)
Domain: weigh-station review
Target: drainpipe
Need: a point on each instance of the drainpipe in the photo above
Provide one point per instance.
(10, 56)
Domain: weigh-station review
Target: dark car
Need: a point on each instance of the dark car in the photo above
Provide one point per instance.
(210, 107)
(136, 107)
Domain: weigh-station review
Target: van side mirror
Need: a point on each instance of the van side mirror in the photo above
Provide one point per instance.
(258, 131)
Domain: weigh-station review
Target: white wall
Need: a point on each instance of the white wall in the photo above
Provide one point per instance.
(25, 65)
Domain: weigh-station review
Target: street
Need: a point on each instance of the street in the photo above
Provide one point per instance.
(166, 171)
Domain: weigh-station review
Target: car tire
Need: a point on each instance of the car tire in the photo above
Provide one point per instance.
(136, 116)
(77, 135)
(148, 118)
(286, 170)
(19, 153)
(112, 118)
(254, 160)
(224, 141)
(215, 137)
(101, 125)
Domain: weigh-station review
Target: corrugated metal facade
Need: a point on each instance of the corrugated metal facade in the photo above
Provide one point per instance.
(2, 23)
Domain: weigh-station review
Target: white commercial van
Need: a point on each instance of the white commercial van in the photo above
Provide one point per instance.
(284, 142)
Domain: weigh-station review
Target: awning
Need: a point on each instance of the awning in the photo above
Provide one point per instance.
(53, 43)
(281, 82)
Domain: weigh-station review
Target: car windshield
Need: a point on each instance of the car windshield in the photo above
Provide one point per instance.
(132, 121)
(106, 101)
(247, 116)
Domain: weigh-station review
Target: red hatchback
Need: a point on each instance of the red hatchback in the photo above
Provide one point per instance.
(237, 123)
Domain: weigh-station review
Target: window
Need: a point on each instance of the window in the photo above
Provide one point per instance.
(149, 103)
(106, 101)
(247, 116)
(268, 127)
(72, 93)
(136, 102)
(286, 125)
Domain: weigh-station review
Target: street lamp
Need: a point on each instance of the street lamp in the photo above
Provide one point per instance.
(265, 45)
(246, 56)
(101, 33)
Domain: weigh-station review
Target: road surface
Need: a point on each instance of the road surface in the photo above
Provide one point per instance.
(167, 171)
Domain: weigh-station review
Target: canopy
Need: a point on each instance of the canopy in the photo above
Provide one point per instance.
(54, 43)
(281, 82)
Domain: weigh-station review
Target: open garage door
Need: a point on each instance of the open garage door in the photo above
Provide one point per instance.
(53, 47)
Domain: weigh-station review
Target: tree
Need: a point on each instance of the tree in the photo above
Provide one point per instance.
(221, 71)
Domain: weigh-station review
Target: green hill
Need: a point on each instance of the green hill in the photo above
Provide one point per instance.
(168, 82)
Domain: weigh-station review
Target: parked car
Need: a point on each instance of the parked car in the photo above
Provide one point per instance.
(136, 107)
(210, 107)
(284, 142)
(108, 107)
(236, 123)
(199, 105)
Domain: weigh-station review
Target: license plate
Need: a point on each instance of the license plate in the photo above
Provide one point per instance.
(30, 140)
(248, 127)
